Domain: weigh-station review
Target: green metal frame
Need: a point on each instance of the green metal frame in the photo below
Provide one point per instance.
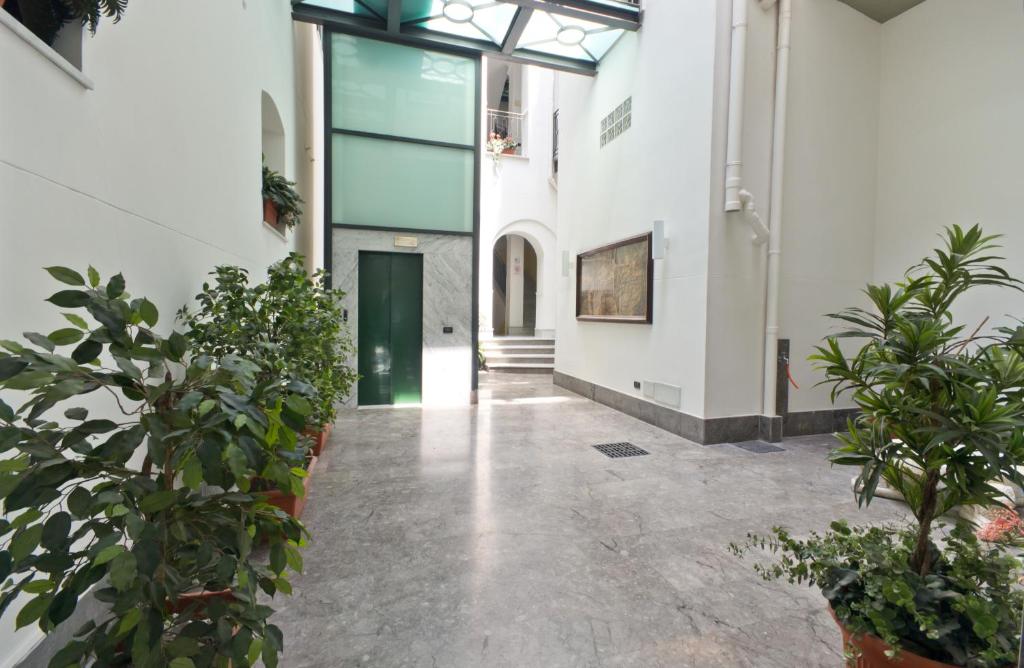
(391, 28)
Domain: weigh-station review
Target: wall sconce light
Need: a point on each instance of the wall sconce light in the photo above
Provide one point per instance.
(565, 264)
(659, 242)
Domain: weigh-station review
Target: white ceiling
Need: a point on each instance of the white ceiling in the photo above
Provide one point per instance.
(882, 10)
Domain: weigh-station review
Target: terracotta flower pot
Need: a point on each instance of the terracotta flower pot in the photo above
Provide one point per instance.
(871, 650)
(270, 212)
(511, 150)
(291, 504)
(319, 437)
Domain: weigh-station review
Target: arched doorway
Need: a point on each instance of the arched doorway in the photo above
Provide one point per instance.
(514, 287)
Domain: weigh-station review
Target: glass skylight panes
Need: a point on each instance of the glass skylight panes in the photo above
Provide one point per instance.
(488, 20)
(548, 31)
(567, 36)
(597, 43)
(377, 9)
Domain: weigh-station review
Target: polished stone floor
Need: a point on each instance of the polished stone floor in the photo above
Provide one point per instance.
(496, 536)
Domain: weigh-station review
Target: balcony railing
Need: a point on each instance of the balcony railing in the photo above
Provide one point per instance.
(508, 125)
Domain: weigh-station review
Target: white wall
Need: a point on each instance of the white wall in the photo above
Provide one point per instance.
(951, 137)
(658, 169)
(829, 195)
(736, 273)
(517, 196)
(155, 172)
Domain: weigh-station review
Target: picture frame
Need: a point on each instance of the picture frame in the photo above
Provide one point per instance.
(615, 282)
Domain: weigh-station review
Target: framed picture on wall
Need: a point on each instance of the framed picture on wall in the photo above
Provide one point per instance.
(614, 283)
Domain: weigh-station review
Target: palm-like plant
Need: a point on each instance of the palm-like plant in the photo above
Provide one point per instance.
(282, 194)
(941, 406)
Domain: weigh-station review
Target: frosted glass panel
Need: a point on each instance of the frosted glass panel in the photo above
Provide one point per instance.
(383, 183)
(399, 90)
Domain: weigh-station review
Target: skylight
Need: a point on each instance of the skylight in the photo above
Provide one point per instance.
(568, 34)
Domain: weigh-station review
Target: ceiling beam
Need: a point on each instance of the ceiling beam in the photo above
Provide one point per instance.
(516, 30)
(394, 16)
(617, 19)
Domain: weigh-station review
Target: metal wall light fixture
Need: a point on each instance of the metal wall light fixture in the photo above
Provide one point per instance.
(659, 242)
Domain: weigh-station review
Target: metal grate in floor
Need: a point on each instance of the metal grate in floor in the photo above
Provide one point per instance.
(616, 450)
(758, 447)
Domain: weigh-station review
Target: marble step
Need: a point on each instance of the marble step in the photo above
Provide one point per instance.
(509, 367)
(519, 350)
(500, 358)
(518, 341)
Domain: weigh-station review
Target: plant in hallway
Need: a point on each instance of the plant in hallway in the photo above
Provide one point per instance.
(291, 325)
(282, 204)
(941, 421)
(150, 510)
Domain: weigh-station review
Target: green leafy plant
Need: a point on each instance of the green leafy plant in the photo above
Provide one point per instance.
(290, 324)
(45, 18)
(941, 407)
(153, 505)
(282, 194)
(966, 610)
(941, 419)
(89, 12)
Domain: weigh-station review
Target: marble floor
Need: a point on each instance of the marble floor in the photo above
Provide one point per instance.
(496, 536)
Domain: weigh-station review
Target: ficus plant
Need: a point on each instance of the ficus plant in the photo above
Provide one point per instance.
(291, 325)
(941, 421)
(146, 504)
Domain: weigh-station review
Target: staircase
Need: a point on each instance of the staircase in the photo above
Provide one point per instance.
(519, 354)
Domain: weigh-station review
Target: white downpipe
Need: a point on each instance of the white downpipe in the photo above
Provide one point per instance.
(734, 135)
(771, 319)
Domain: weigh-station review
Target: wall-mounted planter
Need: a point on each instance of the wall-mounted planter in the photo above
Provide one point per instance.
(871, 652)
(289, 503)
(319, 437)
(270, 213)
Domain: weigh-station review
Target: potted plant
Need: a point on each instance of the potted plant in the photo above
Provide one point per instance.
(941, 419)
(282, 205)
(294, 324)
(45, 18)
(498, 145)
(150, 510)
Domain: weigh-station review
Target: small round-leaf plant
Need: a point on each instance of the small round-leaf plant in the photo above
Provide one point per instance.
(291, 325)
(148, 502)
(965, 611)
(282, 194)
(940, 420)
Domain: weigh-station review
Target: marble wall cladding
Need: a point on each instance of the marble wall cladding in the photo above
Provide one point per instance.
(447, 302)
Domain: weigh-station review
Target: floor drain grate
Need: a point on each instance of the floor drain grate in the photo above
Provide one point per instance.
(616, 450)
(759, 447)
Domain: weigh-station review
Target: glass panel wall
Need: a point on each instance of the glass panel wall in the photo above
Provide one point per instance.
(403, 147)
(382, 183)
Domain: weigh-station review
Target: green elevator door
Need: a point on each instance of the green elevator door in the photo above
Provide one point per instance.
(390, 328)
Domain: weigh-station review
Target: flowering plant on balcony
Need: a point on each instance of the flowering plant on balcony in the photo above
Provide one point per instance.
(498, 145)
